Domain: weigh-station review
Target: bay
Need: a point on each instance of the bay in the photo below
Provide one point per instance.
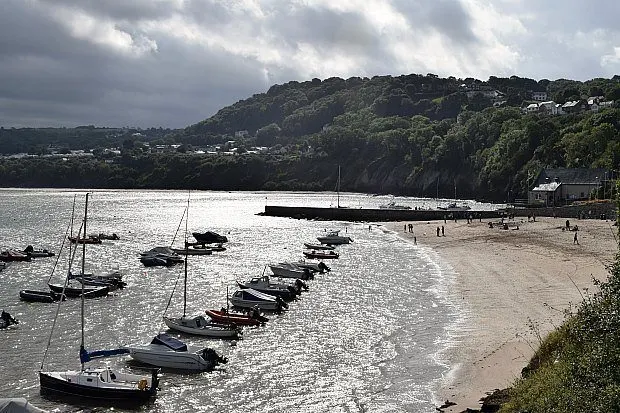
(368, 336)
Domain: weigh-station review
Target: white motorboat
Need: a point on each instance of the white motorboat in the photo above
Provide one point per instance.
(318, 246)
(160, 256)
(334, 238)
(250, 298)
(453, 206)
(193, 251)
(393, 205)
(314, 266)
(168, 352)
(288, 270)
(263, 284)
(198, 325)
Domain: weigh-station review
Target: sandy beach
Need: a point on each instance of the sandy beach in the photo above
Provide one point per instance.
(515, 285)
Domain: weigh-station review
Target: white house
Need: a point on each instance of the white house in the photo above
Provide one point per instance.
(558, 186)
(532, 107)
(549, 107)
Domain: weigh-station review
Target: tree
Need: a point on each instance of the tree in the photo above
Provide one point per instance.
(266, 136)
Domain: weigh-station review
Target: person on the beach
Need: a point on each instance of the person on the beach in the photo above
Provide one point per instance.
(437, 231)
(415, 240)
(575, 240)
(442, 234)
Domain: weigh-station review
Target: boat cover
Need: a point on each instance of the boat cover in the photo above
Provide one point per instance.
(86, 356)
(18, 405)
(170, 342)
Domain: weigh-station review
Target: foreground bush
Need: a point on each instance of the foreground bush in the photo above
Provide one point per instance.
(577, 367)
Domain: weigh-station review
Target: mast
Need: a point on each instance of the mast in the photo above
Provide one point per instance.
(186, 256)
(338, 187)
(83, 259)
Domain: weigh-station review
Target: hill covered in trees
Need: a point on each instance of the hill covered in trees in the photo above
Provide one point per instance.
(411, 135)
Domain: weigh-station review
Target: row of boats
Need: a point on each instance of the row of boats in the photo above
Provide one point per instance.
(266, 293)
(110, 386)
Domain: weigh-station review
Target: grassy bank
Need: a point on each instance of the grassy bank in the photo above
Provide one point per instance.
(577, 366)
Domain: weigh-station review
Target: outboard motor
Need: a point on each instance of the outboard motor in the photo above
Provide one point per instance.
(324, 267)
(211, 355)
(308, 274)
(300, 284)
(281, 303)
(294, 291)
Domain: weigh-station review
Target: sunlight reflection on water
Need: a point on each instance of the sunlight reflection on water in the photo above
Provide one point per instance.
(364, 338)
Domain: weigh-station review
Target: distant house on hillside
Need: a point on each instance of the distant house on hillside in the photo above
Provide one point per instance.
(559, 186)
(550, 107)
(539, 96)
(573, 106)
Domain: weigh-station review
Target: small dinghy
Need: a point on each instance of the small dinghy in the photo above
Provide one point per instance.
(75, 292)
(318, 246)
(30, 251)
(33, 296)
(7, 320)
(321, 254)
(13, 255)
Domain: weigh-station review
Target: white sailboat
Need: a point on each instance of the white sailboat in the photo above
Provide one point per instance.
(198, 324)
(100, 386)
(338, 191)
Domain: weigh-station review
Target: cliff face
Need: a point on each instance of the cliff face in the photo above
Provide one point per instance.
(387, 178)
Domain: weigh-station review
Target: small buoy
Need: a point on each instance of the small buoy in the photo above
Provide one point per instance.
(233, 343)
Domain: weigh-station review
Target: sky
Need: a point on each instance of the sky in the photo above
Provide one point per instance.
(173, 63)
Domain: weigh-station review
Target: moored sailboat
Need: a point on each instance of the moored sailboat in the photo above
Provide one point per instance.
(198, 324)
(100, 386)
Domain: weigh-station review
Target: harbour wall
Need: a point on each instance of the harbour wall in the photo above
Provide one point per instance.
(601, 210)
(373, 215)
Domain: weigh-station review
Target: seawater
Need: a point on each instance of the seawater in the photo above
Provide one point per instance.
(368, 336)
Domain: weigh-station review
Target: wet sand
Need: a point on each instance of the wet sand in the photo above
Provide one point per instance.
(515, 286)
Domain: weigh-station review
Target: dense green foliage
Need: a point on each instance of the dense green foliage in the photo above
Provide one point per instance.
(40, 141)
(577, 368)
(410, 135)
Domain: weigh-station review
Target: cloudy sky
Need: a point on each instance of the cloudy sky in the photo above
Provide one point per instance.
(172, 63)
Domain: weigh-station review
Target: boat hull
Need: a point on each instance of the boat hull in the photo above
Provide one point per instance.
(284, 293)
(290, 273)
(185, 326)
(161, 356)
(33, 296)
(338, 240)
(72, 292)
(261, 305)
(320, 255)
(56, 387)
(239, 319)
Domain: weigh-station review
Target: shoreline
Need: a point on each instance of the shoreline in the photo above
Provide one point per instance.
(514, 287)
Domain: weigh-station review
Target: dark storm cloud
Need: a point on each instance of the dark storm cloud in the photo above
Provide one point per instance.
(171, 63)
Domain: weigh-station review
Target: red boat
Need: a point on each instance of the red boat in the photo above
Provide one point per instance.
(253, 318)
(321, 254)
